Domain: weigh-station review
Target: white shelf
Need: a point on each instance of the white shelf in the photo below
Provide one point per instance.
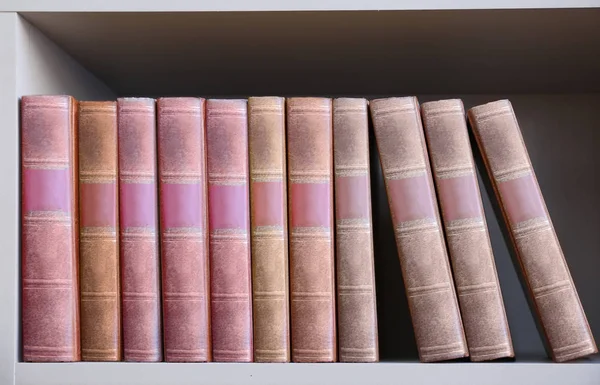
(542, 55)
(309, 374)
(278, 5)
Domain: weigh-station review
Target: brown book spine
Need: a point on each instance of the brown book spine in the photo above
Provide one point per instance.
(479, 295)
(183, 225)
(140, 265)
(421, 247)
(555, 300)
(50, 229)
(268, 205)
(312, 273)
(229, 222)
(99, 243)
(356, 304)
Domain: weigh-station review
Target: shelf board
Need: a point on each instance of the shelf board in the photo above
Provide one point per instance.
(341, 53)
(273, 5)
(514, 373)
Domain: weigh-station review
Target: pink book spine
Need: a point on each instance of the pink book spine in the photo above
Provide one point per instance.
(182, 173)
(229, 221)
(140, 281)
(50, 227)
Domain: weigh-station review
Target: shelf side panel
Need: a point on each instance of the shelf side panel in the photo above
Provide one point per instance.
(9, 158)
(44, 68)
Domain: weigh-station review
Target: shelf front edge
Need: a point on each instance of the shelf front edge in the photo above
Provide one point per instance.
(513, 373)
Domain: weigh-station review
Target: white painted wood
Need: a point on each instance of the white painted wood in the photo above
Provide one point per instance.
(9, 198)
(45, 68)
(308, 374)
(275, 5)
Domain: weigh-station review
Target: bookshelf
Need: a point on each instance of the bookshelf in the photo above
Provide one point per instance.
(543, 57)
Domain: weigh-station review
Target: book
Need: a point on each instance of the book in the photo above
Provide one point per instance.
(268, 205)
(99, 232)
(420, 241)
(138, 205)
(229, 223)
(49, 229)
(183, 229)
(310, 189)
(470, 250)
(355, 265)
(554, 299)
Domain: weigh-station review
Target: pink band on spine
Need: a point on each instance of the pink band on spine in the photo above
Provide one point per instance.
(228, 206)
(352, 194)
(47, 190)
(459, 197)
(411, 199)
(521, 199)
(267, 199)
(181, 205)
(135, 200)
(311, 204)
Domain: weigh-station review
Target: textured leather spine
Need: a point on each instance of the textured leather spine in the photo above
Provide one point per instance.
(229, 221)
(470, 250)
(356, 305)
(98, 236)
(269, 229)
(555, 299)
(312, 273)
(49, 219)
(421, 247)
(183, 223)
(140, 265)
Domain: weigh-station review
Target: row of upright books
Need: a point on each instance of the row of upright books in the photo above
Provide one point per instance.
(160, 230)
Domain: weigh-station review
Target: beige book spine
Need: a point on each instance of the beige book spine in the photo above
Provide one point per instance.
(356, 306)
(470, 250)
(268, 205)
(556, 303)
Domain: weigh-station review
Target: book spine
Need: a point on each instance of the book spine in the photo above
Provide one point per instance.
(50, 227)
(99, 245)
(479, 295)
(356, 304)
(229, 221)
(421, 247)
(183, 224)
(555, 300)
(140, 265)
(312, 273)
(269, 229)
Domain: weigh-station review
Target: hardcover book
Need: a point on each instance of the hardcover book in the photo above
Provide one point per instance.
(50, 229)
(183, 229)
(479, 295)
(229, 223)
(567, 334)
(312, 272)
(99, 232)
(140, 263)
(356, 302)
(268, 205)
